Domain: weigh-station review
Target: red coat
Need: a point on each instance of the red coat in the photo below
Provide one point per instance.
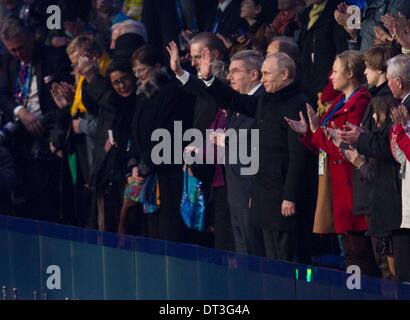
(340, 169)
(399, 136)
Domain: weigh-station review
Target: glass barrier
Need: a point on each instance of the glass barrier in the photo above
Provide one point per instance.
(50, 261)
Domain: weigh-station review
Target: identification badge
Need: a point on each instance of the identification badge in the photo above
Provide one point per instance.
(322, 159)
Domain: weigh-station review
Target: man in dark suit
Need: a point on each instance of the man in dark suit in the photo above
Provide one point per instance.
(206, 108)
(205, 114)
(24, 97)
(321, 38)
(244, 77)
(280, 191)
(225, 18)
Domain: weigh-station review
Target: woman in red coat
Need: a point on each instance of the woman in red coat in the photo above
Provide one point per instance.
(347, 77)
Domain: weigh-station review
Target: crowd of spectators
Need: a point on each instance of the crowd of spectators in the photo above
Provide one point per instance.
(79, 105)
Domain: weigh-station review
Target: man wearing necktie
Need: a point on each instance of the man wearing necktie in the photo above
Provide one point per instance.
(226, 19)
(26, 101)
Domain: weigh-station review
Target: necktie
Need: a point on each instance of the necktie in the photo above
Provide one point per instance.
(217, 21)
(180, 15)
(23, 83)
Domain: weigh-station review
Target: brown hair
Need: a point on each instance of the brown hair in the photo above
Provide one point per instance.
(376, 57)
(353, 62)
(148, 55)
(381, 106)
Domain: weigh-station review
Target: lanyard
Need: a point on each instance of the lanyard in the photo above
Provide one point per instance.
(23, 85)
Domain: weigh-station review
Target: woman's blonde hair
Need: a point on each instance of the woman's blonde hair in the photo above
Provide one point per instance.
(353, 62)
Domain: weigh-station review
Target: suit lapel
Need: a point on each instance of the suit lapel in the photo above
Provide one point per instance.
(13, 74)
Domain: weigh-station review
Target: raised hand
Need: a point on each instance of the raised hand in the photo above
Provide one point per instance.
(63, 94)
(205, 67)
(300, 126)
(381, 37)
(390, 20)
(87, 66)
(402, 34)
(175, 60)
(314, 120)
(341, 16)
(400, 115)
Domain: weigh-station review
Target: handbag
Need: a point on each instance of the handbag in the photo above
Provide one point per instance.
(147, 194)
(193, 203)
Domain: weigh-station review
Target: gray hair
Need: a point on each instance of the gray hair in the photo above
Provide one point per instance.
(283, 61)
(399, 67)
(253, 60)
(12, 28)
(219, 69)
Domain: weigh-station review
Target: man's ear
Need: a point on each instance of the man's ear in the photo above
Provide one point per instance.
(255, 75)
(399, 83)
(285, 74)
(214, 54)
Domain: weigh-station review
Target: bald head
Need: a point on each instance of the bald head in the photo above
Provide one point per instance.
(286, 45)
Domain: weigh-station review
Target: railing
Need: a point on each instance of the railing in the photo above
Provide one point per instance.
(48, 261)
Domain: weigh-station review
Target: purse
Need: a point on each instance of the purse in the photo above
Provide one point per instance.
(193, 203)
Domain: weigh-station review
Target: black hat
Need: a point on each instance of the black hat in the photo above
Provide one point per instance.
(123, 65)
(126, 44)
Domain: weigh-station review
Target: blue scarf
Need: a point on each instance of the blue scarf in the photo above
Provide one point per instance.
(339, 106)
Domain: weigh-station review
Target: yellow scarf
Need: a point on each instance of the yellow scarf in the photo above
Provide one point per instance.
(315, 13)
(78, 105)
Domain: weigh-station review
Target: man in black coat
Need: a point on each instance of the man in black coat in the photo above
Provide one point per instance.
(281, 191)
(225, 17)
(25, 97)
(244, 77)
(206, 108)
(321, 39)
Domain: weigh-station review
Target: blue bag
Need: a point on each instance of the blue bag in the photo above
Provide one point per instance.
(193, 203)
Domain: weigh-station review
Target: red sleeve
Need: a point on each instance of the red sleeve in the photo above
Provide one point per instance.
(402, 139)
(307, 141)
(354, 116)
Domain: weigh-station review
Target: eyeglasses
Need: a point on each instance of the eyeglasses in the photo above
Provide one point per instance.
(138, 71)
(121, 81)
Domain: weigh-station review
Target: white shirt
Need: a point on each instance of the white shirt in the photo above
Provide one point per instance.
(185, 78)
(33, 102)
(407, 95)
(256, 88)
